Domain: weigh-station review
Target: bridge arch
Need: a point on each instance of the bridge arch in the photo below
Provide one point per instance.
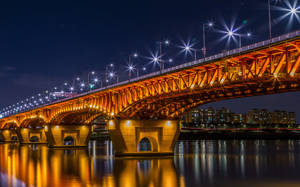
(69, 141)
(34, 139)
(33, 123)
(10, 125)
(14, 138)
(75, 117)
(147, 144)
(174, 104)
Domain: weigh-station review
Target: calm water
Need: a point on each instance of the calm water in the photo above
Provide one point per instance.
(196, 163)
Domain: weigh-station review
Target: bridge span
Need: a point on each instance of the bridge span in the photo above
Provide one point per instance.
(148, 108)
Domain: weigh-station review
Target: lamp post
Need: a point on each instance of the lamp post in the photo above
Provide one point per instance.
(96, 80)
(135, 55)
(90, 85)
(74, 82)
(240, 38)
(65, 87)
(155, 59)
(130, 69)
(270, 19)
(210, 24)
(112, 75)
(230, 34)
(107, 72)
(82, 85)
(137, 72)
(144, 69)
(130, 66)
(161, 62)
(188, 49)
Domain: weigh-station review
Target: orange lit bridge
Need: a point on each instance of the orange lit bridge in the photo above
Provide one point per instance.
(148, 108)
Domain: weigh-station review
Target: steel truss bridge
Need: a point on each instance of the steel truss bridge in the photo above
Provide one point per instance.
(151, 105)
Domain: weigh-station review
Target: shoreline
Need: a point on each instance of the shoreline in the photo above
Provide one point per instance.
(228, 135)
(257, 135)
(224, 135)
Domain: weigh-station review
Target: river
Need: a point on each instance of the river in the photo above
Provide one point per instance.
(195, 163)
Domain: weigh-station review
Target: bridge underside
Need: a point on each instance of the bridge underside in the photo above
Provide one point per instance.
(174, 105)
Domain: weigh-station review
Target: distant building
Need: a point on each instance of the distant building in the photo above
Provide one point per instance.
(224, 116)
(264, 117)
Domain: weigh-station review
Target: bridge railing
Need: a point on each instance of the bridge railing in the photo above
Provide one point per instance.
(186, 65)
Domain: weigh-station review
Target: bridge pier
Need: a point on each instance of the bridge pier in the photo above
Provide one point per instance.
(10, 135)
(68, 136)
(143, 137)
(36, 135)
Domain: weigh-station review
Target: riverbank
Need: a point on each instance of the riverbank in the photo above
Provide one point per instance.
(211, 134)
(266, 134)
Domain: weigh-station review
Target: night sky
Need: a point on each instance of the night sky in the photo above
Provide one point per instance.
(45, 43)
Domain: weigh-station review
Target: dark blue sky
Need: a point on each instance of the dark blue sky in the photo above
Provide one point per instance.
(44, 43)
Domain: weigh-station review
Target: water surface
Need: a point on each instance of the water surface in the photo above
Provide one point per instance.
(196, 163)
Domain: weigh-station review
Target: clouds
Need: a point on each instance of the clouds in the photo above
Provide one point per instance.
(7, 70)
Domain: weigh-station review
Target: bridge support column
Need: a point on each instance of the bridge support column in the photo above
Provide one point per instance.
(64, 136)
(130, 136)
(33, 135)
(10, 135)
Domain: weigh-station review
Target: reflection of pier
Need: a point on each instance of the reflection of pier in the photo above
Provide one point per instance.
(146, 172)
(196, 163)
(37, 165)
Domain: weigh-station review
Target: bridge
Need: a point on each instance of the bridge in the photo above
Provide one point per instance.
(149, 108)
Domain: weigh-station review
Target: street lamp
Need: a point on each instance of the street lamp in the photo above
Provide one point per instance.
(135, 55)
(107, 68)
(187, 48)
(269, 15)
(90, 85)
(130, 69)
(65, 86)
(155, 59)
(82, 85)
(161, 62)
(74, 82)
(210, 24)
(240, 38)
(130, 66)
(96, 80)
(292, 11)
(230, 34)
(112, 75)
(270, 18)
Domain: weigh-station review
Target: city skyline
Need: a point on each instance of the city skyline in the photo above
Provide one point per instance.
(254, 116)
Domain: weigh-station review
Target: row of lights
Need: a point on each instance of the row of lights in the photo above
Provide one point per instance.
(79, 86)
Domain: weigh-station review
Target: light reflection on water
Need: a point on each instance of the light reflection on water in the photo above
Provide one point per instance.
(196, 163)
